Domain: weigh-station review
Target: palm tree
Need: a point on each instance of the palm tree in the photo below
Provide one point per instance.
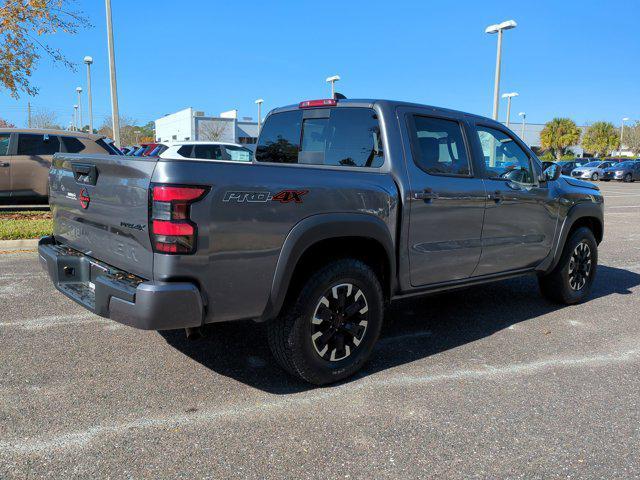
(558, 135)
(601, 138)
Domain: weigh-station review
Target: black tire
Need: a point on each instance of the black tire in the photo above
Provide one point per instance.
(628, 178)
(291, 334)
(594, 177)
(560, 285)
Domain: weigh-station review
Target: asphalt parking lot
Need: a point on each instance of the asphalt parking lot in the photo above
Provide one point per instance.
(488, 382)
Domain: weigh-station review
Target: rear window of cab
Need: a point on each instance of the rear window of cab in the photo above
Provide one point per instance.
(347, 137)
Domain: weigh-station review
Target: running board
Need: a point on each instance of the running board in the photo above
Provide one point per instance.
(459, 284)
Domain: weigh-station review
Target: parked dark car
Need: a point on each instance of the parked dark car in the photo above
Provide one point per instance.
(627, 171)
(348, 205)
(566, 167)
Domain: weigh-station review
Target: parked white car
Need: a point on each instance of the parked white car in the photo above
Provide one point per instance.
(592, 170)
(206, 150)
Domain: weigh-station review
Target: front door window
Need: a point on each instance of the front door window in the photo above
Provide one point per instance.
(503, 157)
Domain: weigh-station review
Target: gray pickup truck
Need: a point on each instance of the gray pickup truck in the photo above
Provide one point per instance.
(347, 206)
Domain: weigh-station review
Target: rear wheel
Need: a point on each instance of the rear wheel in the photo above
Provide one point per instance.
(571, 280)
(328, 331)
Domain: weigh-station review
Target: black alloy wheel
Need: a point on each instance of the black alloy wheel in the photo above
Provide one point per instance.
(339, 322)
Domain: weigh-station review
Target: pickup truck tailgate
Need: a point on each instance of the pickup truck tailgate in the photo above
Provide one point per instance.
(100, 206)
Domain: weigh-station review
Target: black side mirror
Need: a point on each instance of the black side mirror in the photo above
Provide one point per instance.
(552, 173)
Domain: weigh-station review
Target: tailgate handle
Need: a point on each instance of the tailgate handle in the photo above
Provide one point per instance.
(85, 173)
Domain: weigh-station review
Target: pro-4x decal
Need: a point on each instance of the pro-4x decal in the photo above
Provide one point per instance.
(284, 196)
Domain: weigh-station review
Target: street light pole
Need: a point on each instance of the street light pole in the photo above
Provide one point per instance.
(259, 103)
(79, 90)
(88, 60)
(509, 96)
(622, 133)
(496, 81)
(75, 117)
(524, 118)
(112, 73)
(498, 28)
(332, 80)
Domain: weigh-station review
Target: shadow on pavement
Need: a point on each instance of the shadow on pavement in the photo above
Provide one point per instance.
(414, 329)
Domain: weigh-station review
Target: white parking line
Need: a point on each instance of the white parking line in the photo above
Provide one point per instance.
(82, 438)
(55, 321)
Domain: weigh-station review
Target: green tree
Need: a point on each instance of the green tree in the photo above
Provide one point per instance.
(632, 137)
(148, 130)
(558, 135)
(601, 138)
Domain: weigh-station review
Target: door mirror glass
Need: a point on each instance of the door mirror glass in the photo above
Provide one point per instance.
(552, 173)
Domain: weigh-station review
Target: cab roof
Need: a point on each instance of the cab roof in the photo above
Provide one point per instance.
(52, 131)
(392, 104)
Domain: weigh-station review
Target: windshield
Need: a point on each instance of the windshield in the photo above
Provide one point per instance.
(592, 164)
(624, 164)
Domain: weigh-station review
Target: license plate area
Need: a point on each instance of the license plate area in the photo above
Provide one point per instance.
(78, 276)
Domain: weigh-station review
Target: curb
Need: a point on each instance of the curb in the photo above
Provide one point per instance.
(28, 244)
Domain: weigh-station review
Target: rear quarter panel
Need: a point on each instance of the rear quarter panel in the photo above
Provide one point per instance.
(242, 227)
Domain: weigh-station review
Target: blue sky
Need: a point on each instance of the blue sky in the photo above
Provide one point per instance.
(566, 58)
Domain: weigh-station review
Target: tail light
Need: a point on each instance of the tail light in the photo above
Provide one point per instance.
(172, 231)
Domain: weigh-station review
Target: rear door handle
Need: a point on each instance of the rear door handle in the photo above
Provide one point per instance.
(426, 194)
(4, 164)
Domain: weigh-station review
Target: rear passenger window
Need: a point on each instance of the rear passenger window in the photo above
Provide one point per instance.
(208, 152)
(109, 147)
(186, 151)
(280, 138)
(438, 146)
(38, 144)
(238, 154)
(348, 137)
(72, 145)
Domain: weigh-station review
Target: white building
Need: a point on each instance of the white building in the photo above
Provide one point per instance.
(189, 124)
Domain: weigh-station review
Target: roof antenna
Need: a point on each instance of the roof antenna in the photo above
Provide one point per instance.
(339, 96)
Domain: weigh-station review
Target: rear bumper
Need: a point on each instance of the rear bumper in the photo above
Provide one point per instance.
(115, 294)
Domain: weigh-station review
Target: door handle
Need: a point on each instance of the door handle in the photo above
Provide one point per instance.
(4, 164)
(427, 194)
(496, 196)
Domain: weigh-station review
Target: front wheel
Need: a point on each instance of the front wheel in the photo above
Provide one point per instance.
(628, 178)
(328, 331)
(571, 280)
(594, 177)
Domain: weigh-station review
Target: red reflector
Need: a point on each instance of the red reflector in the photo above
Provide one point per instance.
(327, 102)
(167, 247)
(168, 194)
(161, 227)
